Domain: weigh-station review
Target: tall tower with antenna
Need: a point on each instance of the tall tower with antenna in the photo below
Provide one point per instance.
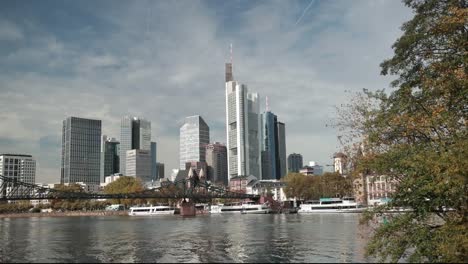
(243, 126)
(229, 76)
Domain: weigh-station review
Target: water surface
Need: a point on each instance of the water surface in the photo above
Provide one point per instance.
(204, 238)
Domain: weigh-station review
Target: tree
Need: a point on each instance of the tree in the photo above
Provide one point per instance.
(417, 135)
(306, 187)
(125, 184)
(68, 204)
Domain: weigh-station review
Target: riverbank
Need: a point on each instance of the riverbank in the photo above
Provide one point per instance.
(60, 214)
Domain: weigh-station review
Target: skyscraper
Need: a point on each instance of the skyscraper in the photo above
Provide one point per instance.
(273, 147)
(269, 146)
(295, 162)
(81, 144)
(160, 168)
(154, 168)
(135, 133)
(110, 157)
(243, 128)
(216, 159)
(281, 149)
(194, 136)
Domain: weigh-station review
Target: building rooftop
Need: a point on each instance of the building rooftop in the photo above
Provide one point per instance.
(16, 155)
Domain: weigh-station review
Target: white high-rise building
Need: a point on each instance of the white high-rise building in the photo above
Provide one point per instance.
(243, 126)
(135, 133)
(194, 136)
(18, 166)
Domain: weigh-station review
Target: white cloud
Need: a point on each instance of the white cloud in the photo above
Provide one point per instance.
(9, 31)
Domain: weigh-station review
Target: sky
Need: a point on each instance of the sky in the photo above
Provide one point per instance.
(164, 60)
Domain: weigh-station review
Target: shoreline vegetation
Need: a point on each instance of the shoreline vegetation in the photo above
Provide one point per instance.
(62, 214)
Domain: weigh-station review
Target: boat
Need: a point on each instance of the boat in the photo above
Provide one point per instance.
(331, 205)
(152, 210)
(246, 208)
(252, 208)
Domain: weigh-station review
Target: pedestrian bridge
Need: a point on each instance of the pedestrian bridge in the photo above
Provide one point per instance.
(191, 188)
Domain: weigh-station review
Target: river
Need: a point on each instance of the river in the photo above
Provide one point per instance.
(204, 238)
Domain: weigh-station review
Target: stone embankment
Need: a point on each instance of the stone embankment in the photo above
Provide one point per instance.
(69, 213)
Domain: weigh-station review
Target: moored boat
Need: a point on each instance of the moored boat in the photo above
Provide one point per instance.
(245, 208)
(151, 210)
(331, 205)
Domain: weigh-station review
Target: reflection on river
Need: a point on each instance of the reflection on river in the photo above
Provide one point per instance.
(205, 238)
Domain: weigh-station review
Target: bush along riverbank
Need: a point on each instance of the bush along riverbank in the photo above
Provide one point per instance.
(65, 213)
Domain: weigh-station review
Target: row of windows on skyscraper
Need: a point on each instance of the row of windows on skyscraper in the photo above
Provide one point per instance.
(87, 157)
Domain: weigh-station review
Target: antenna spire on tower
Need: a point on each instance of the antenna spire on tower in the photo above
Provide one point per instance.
(266, 103)
(231, 52)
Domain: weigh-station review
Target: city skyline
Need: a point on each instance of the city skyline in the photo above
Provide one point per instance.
(303, 65)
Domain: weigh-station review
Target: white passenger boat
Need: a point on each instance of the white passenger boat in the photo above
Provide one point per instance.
(331, 205)
(252, 208)
(152, 210)
(246, 208)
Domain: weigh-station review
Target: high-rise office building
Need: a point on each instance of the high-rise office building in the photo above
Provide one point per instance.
(81, 145)
(135, 133)
(281, 149)
(110, 157)
(154, 167)
(160, 170)
(273, 147)
(139, 164)
(269, 146)
(194, 136)
(243, 128)
(295, 162)
(216, 159)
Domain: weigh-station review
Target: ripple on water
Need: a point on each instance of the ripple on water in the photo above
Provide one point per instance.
(215, 238)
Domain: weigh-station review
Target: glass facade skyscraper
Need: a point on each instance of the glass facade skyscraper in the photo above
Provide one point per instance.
(269, 146)
(273, 147)
(281, 149)
(135, 133)
(154, 168)
(243, 128)
(194, 136)
(110, 158)
(81, 145)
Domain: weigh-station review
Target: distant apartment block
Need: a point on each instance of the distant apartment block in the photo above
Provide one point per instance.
(379, 189)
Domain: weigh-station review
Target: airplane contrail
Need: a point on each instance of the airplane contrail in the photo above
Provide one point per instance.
(303, 13)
